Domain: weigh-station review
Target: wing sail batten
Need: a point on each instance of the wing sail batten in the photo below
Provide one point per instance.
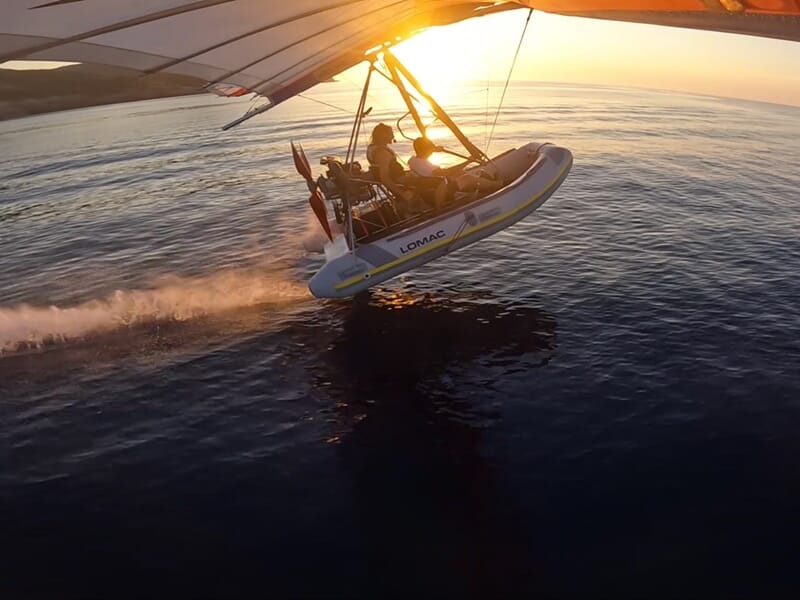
(256, 31)
(144, 19)
(311, 36)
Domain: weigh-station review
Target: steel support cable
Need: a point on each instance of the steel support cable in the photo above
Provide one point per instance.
(510, 71)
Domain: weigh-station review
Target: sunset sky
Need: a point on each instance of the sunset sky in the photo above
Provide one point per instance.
(577, 50)
(571, 49)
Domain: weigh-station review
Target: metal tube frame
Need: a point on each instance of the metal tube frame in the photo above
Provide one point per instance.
(398, 72)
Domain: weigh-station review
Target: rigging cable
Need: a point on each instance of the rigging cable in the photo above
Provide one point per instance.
(350, 112)
(486, 112)
(511, 70)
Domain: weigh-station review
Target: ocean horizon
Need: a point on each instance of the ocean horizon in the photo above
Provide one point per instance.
(470, 83)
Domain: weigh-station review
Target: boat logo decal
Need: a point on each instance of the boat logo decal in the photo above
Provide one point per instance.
(427, 239)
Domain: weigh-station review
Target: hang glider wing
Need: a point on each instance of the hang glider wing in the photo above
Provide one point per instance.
(278, 49)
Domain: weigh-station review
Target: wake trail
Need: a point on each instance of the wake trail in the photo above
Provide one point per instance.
(25, 327)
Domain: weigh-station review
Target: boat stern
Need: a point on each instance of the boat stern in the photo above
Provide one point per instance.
(337, 277)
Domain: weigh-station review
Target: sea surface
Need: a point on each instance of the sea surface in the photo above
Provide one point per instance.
(602, 401)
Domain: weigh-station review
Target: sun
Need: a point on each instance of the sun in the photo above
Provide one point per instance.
(441, 61)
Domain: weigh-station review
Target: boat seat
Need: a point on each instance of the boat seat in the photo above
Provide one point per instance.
(372, 211)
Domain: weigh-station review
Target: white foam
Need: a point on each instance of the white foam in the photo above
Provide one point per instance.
(315, 238)
(173, 299)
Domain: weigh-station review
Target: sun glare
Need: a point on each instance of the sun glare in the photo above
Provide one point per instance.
(580, 50)
(442, 59)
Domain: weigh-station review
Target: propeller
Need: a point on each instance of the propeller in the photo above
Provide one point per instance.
(316, 200)
(303, 167)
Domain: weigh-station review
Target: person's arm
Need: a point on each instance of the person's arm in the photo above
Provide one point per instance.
(424, 167)
(455, 169)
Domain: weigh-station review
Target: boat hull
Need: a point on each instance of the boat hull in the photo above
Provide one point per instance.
(378, 261)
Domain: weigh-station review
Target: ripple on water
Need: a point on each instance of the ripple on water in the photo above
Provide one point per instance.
(611, 381)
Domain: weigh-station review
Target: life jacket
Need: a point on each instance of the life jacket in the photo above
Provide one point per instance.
(396, 171)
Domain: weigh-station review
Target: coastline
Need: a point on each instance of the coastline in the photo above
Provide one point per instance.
(26, 93)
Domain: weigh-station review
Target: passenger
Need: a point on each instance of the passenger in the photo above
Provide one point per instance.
(466, 182)
(409, 192)
(386, 166)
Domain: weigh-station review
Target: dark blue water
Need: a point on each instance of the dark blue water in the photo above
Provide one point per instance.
(601, 401)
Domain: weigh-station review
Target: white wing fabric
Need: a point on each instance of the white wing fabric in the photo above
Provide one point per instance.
(278, 48)
(274, 48)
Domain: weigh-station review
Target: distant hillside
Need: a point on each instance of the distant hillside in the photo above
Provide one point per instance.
(30, 92)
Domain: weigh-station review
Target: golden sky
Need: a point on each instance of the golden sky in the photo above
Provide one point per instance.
(578, 50)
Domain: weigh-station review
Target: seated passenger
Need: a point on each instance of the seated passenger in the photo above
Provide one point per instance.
(466, 182)
(389, 172)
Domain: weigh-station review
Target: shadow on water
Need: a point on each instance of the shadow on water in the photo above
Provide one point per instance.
(417, 382)
(448, 356)
(405, 496)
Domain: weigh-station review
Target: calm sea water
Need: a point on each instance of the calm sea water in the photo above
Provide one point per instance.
(601, 401)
